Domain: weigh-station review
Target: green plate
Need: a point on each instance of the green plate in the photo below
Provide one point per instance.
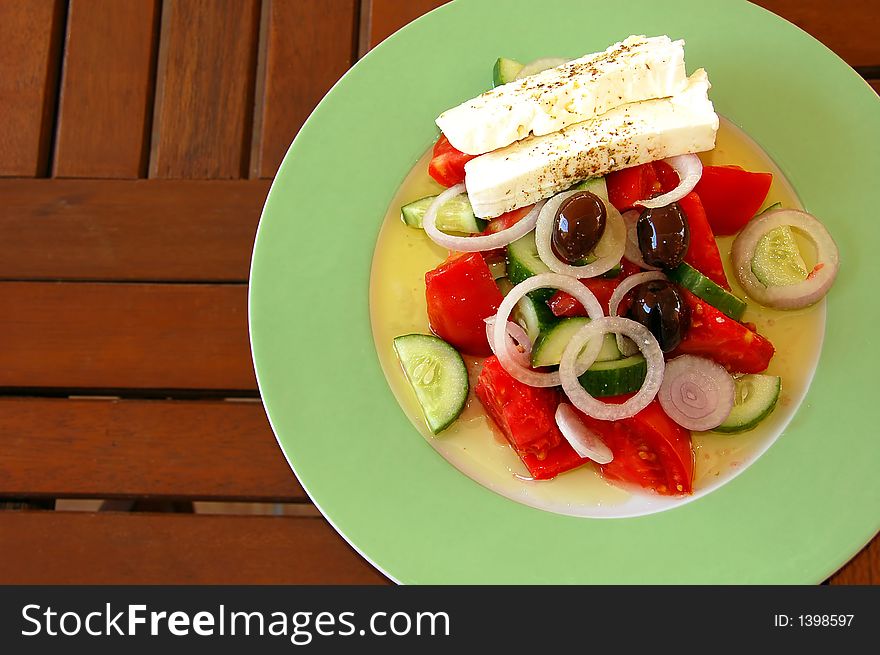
(794, 516)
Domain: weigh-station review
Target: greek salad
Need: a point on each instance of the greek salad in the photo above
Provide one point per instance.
(583, 265)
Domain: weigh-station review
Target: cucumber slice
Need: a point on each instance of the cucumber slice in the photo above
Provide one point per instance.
(523, 262)
(594, 185)
(777, 260)
(775, 205)
(551, 343)
(456, 215)
(539, 65)
(702, 287)
(614, 377)
(505, 70)
(754, 398)
(534, 316)
(438, 376)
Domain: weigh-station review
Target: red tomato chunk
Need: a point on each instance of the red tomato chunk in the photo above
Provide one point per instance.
(732, 196)
(447, 164)
(460, 294)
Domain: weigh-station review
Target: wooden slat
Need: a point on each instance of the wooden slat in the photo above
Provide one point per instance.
(388, 16)
(101, 448)
(103, 125)
(111, 548)
(875, 84)
(864, 568)
(180, 230)
(848, 27)
(297, 67)
(30, 47)
(108, 336)
(204, 90)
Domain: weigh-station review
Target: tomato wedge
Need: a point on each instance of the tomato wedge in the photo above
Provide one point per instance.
(732, 196)
(447, 164)
(460, 294)
(702, 252)
(719, 337)
(650, 450)
(626, 187)
(564, 305)
(526, 415)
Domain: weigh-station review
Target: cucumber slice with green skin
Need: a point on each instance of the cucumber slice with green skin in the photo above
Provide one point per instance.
(551, 343)
(702, 287)
(614, 377)
(534, 316)
(456, 215)
(777, 260)
(755, 398)
(594, 185)
(523, 262)
(505, 70)
(438, 376)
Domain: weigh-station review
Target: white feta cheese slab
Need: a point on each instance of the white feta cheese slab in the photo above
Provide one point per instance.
(638, 68)
(632, 134)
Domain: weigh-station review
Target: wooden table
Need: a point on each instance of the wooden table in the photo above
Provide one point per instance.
(137, 143)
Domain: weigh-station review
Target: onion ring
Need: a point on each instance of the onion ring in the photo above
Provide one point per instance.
(522, 345)
(542, 281)
(689, 169)
(579, 396)
(476, 243)
(583, 440)
(696, 393)
(789, 296)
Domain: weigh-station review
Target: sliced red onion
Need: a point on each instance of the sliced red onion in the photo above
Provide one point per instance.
(520, 348)
(789, 296)
(689, 169)
(477, 243)
(592, 332)
(541, 281)
(583, 440)
(624, 345)
(608, 250)
(632, 253)
(696, 393)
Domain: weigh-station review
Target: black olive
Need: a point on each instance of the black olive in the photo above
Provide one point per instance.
(663, 236)
(577, 227)
(659, 307)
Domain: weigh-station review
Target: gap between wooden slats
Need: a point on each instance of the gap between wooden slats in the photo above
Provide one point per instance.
(305, 46)
(31, 32)
(118, 336)
(104, 115)
(204, 93)
(145, 230)
(142, 548)
(105, 448)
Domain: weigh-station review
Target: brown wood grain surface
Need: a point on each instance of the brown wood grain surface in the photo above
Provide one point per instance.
(116, 336)
(849, 27)
(875, 84)
(104, 114)
(30, 47)
(862, 569)
(104, 448)
(204, 89)
(138, 548)
(297, 65)
(146, 230)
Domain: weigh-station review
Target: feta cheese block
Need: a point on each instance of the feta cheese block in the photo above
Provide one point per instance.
(637, 133)
(638, 68)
